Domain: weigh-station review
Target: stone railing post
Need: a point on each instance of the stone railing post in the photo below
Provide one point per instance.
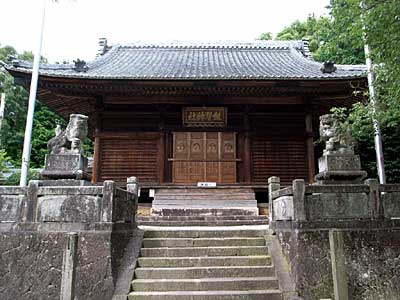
(375, 200)
(274, 184)
(299, 207)
(28, 213)
(68, 274)
(132, 186)
(339, 274)
(107, 204)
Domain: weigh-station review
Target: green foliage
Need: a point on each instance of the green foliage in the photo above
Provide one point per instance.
(266, 36)
(4, 159)
(339, 37)
(13, 127)
(15, 177)
(314, 29)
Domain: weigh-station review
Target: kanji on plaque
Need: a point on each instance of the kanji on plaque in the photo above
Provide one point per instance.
(204, 116)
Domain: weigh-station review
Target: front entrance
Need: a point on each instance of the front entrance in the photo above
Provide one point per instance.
(204, 156)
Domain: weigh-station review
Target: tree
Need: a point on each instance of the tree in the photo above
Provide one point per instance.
(266, 36)
(339, 37)
(13, 128)
(3, 163)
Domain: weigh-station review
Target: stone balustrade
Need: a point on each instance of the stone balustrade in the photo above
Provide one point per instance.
(302, 202)
(58, 203)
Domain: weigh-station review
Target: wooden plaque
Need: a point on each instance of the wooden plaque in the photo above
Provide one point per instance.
(204, 116)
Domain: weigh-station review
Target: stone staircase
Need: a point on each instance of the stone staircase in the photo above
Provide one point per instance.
(178, 221)
(206, 263)
(194, 201)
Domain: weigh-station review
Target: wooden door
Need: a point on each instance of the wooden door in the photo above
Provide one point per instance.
(204, 156)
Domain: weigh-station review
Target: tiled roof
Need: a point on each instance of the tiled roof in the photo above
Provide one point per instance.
(178, 61)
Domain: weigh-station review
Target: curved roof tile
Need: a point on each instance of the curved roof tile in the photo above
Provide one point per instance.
(219, 60)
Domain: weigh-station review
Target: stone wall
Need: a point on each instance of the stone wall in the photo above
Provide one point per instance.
(372, 253)
(33, 235)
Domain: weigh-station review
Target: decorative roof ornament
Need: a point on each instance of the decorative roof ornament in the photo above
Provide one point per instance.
(103, 47)
(328, 67)
(80, 66)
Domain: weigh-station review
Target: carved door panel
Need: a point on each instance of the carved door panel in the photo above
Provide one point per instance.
(228, 157)
(204, 156)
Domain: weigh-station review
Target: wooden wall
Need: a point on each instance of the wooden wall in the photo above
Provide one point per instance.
(138, 144)
(125, 155)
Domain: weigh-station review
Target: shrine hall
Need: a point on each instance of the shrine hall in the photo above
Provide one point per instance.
(176, 114)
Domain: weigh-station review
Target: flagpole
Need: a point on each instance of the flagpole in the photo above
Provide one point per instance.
(372, 96)
(26, 153)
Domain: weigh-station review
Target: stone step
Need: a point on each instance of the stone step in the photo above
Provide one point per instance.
(208, 295)
(205, 203)
(213, 233)
(202, 242)
(204, 223)
(206, 284)
(200, 218)
(206, 196)
(196, 190)
(177, 210)
(204, 272)
(204, 251)
(180, 262)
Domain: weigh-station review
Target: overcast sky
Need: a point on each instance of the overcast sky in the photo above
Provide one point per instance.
(73, 27)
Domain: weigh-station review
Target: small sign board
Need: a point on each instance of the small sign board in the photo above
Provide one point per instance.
(206, 184)
(151, 193)
(204, 116)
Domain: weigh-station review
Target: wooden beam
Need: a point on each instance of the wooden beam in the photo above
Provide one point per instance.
(247, 149)
(310, 147)
(96, 149)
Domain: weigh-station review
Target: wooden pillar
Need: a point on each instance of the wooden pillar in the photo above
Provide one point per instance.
(96, 157)
(161, 147)
(161, 157)
(97, 144)
(247, 148)
(310, 147)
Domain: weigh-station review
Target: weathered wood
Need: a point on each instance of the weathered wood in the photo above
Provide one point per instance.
(204, 156)
(68, 272)
(337, 188)
(310, 148)
(247, 150)
(131, 155)
(96, 158)
(283, 156)
(338, 265)
(161, 157)
(96, 147)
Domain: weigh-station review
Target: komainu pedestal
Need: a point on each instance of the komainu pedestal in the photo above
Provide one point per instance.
(66, 160)
(338, 163)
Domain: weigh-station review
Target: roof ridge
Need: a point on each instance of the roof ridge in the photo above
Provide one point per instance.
(256, 44)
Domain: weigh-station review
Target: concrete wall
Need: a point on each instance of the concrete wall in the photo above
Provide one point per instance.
(372, 253)
(33, 235)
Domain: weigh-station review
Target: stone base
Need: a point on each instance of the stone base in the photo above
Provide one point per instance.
(340, 168)
(65, 166)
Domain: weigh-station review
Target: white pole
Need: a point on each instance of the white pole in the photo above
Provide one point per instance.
(377, 129)
(372, 96)
(2, 108)
(32, 98)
